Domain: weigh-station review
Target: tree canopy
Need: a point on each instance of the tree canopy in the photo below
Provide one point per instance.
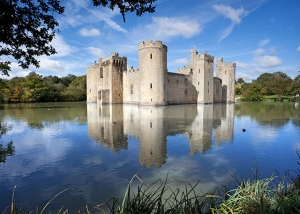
(28, 26)
(26, 29)
(138, 6)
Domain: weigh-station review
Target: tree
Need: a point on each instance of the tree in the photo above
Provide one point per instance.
(280, 84)
(26, 29)
(28, 26)
(240, 81)
(263, 81)
(137, 6)
(253, 92)
(295, 89)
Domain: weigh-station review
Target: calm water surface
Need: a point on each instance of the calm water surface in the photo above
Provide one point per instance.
(95, 150)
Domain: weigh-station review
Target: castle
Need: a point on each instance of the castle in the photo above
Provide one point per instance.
(109, 80)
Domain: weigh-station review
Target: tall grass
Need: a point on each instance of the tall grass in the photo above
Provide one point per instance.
(250, 195)
(272, 195)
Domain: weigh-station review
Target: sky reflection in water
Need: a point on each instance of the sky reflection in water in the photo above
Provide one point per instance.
(95, 150)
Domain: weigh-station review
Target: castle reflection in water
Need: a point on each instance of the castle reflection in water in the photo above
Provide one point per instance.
(111, 125)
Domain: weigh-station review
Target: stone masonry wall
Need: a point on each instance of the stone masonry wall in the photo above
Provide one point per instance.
(131, 86)
(180, 89)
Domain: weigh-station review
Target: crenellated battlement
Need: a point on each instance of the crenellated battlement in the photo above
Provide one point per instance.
(130, 69)
(110, 80)
(206, 57)
(113, 59)
(151, 44)
(227, 64)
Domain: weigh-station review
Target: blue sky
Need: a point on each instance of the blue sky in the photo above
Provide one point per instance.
(259, 35)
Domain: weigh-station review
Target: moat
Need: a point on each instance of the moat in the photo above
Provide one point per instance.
(96, 149)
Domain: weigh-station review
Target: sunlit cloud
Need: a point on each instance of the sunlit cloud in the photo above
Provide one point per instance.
(169, 27)
(235, 16)
(49, 64)
(259, 51)
(91, 32)
(62, 48)
(298, 49)
(263, 42)
(267, 61)
(95, 51)
(243, 65)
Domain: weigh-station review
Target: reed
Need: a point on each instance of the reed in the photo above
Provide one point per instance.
(250, 195)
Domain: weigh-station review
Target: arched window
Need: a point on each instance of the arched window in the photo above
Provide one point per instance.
(150, 56)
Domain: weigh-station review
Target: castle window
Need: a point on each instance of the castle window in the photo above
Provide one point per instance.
(150, 85)
(191, 70)
(225, 72)
(185, 91)
(131, 89)
(208, 91)
(208, 83)
(199, 71)
(198, 83)
(99, 95)
(101, 72)
(150, 124)
(150, 56)
(90, 90)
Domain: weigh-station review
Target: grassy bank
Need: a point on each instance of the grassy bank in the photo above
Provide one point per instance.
(251, 195)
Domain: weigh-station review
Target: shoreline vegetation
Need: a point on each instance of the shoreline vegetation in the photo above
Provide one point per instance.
(275, 194)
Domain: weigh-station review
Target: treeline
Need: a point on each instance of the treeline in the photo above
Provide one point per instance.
(268, 84)
(36, 88)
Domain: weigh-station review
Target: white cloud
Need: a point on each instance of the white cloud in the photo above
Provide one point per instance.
(246, 77)
(181, 61)
(95, 51)
(298, 49)
(61, 47)
(168, 27)
(91, 32)
(263, 42)
(234, 15)
(243, 65)
(267, 61)
(259, 51)
(226, 32)
(49, 64)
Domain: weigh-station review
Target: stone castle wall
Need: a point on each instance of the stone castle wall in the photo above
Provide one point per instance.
(110, 80)
(131, 86)
(180, 89)
(226, 72)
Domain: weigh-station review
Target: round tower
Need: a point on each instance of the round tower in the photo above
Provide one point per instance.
(153, 71)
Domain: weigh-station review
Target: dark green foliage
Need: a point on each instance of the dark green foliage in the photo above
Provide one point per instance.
(6, 150)
(280, 84)
(295, 89)
(138, 6)
(253, 93)
(240, 81)
(36, 88)
(26, 29)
